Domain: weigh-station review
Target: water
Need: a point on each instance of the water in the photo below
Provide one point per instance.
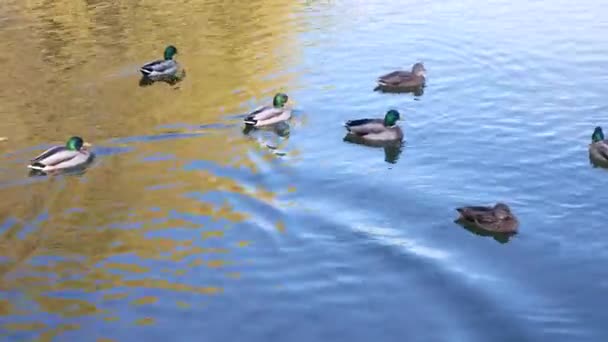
(186, 229)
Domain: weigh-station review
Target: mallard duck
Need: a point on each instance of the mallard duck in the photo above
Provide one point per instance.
(496, 219)
(403, 80)
(73, 154)
(162, 68)
(377, 129)
(268, 115)
(598, 149)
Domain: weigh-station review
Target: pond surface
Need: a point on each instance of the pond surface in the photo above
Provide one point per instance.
(186, 229)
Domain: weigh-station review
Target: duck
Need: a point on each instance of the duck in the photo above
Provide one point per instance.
(402, 80)
(598, 148)
(496, 219)
(73, 154)
(162, 68)
(376, 130)
(268, 115)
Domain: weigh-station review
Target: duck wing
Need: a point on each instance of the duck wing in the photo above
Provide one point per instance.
(602, 148)
(395, 77)
(75, 159)
(54, 157)
(257, 111)
(49, 152)
(365, 126)
(265, 113)
(477, 214)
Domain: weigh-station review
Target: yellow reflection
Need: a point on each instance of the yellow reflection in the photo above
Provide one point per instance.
(243, 243)
(115, 296)
(32, 326)
(66, 307)
(216, 263)
(145, 300)
(127, 267)
(145, 321)
(51, 334)
(280, 226)
(163, 284)
(73, 70)
(182, 305)
(212, 234)
(5, 307)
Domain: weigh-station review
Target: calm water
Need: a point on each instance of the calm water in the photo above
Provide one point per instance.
(186, 229)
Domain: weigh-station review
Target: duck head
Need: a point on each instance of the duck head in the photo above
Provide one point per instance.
(419, 70)
(74, 144)
(170, 51)
(598, 134)
(279, 100)
(502, 211)
(391, 118)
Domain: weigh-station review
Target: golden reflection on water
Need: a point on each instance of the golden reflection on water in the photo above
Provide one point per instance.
(72, 69)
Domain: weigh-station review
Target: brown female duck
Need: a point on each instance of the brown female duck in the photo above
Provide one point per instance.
(496, 219)
(402, 80)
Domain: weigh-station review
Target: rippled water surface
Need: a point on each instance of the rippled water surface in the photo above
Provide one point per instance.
(186, 229)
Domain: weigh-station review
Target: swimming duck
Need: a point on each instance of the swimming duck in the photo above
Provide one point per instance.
(598, 149)
(268, 115)
(377, 129)
(162, 68)
(73, 154)
(496, 219)
(403, 80)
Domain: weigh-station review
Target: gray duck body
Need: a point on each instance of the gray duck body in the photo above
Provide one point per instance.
(373, 130)
(59, 158)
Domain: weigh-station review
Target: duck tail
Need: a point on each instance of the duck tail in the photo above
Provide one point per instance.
(36, 166)
(145, 71)
(250, 121)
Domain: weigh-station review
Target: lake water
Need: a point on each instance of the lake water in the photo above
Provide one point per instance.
(186, 229)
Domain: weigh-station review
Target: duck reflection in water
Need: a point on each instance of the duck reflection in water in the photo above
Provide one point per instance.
(499, 237)
(269, 136)
(281, 129)
(75, 171)
(392, 149)
(416, 91)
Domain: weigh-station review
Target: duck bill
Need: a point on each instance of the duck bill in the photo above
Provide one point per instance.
(87, 145)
